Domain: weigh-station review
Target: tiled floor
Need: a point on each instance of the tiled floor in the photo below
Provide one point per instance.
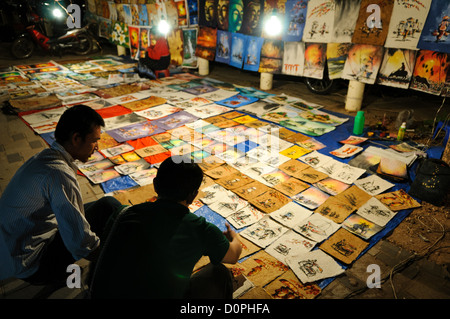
(425, 280)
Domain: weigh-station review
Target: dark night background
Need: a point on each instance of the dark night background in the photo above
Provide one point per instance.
(13, 15)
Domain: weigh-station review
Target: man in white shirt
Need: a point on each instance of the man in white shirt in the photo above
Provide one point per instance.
(44, 224)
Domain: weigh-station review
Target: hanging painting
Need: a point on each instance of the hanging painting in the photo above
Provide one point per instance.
(407, 20)
(293, 58)
(133, 32)
(373, 22)
(435, 32)
(363, 62)
(223, 49)
(175, 41)
(336, 57)
(345, 20)
(189, 45)
(397, 68)
(207, 15)
(206, 43)
(252, 53)
(235, 15)
(193, 12)
(315, 59)
(295, 18)
(238, 44)
(271, 56)
(252, 17)
(319, 21)
(222, 14)
(430, 72)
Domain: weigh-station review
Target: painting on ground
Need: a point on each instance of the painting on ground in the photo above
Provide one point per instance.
(319, 21)
(407, 20)
(373, 22)
(397, 68)
(363, 62)
(346, 14)
(435, 33)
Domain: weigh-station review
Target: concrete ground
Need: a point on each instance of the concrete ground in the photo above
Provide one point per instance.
(418, 279)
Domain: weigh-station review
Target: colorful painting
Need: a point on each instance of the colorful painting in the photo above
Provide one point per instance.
(223, 49)
(293, 58)
(336, 57)
(238, 45)
(363, 62)
(189, 47)
(295, 18)
(193, 12)
(372, 25)
(407, 20)
(290, 214)
(207, 13)
(397, 68)
(175, 42)
(271, 56)
(119, 34)
(315, 59)
(252, 17)
(434, 36)
(222, 14)
(311, 198)
(361, 226)
(252, 53)
(206, 43)
(430, 72)
(319, 21)
(135, 131)
(134, 37)
(235, 15)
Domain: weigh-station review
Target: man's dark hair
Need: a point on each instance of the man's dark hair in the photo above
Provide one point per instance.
(177, 178)
(77, 119)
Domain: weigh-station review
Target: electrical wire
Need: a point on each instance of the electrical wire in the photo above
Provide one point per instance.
(404, 264)
(433, 136)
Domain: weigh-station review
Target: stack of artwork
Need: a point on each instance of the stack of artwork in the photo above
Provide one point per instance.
(303, 214)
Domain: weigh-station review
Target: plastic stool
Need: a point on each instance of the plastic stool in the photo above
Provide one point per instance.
(159, 73)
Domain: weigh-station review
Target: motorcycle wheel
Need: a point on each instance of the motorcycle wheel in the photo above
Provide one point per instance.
(83, 45)
(323, 86)
(22, 48)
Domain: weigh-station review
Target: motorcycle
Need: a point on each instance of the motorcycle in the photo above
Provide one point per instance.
(79, 41)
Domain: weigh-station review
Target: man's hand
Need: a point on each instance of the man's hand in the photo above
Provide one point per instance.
(235, 249)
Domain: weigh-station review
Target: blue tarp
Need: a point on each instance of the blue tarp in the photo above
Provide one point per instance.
(331, 140)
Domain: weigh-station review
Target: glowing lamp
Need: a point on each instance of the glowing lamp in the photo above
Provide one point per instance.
(57, 13)
(163, 27)
(273, 25)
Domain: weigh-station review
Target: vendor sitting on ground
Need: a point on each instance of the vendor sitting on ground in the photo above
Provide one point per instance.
(157, 57)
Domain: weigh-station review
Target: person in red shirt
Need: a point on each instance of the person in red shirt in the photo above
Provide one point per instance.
(157, 57)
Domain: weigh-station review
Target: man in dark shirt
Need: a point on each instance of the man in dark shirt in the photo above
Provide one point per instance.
(153, 247)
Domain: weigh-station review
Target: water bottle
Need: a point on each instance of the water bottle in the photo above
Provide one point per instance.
(401, 132)
(358, 127)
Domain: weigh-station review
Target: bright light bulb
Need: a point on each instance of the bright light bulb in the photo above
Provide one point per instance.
(163, 27)
(57, 13)
(273, 26)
